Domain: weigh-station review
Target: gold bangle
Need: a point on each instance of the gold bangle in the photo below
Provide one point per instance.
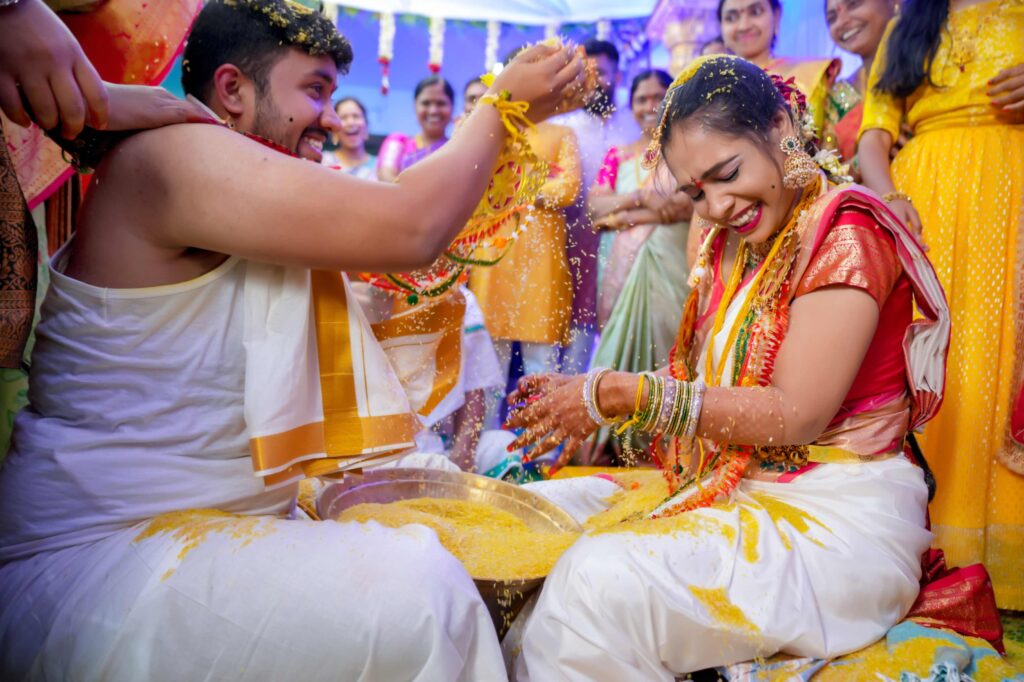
(896, 196)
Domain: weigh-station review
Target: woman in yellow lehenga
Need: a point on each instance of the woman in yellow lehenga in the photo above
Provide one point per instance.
(956, 71)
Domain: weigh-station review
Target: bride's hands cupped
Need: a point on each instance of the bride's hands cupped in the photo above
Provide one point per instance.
(550, 409)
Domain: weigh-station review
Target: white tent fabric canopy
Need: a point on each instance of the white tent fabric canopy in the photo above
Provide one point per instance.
(533, 12)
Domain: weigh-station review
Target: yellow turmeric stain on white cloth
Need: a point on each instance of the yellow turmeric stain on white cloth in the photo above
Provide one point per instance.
(797, 518)
(491, 543)
(722, 611)
(749, 530)
(191, 527)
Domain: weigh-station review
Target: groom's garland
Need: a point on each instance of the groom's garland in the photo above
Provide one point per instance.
(503, 214)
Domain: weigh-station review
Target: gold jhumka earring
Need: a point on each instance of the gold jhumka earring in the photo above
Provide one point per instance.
(799, 170)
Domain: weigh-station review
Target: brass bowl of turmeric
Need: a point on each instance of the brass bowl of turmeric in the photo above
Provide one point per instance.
(507, 538)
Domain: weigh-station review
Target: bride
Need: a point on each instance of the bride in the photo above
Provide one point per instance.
(789, 518)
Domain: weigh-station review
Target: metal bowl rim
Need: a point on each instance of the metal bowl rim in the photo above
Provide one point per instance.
(558, 516)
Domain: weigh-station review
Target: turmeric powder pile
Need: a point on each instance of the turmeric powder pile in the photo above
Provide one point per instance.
(491, 543)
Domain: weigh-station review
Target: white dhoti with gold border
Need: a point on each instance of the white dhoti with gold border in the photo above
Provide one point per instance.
(145, 403)
(254, 598)
(826, 572)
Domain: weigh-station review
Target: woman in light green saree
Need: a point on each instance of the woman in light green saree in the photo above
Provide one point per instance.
(642, 263)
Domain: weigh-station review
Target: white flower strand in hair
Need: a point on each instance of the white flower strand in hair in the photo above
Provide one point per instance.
(829, 161)
(808, 130)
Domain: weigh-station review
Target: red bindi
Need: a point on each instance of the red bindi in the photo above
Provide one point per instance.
(697, 183)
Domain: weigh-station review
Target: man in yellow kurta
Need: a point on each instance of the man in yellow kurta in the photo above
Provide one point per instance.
(527, 297)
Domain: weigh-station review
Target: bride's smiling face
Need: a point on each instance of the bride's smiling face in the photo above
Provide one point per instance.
(734, 180)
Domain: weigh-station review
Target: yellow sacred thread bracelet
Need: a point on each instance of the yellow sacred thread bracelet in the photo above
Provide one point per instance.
(635, 418)
(513, 114)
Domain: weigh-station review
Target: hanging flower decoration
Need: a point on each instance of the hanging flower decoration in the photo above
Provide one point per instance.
(491, 48)
(436, 44)
(386, 49)
(604, 29)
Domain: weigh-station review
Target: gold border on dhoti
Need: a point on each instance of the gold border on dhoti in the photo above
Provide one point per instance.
(321, 447)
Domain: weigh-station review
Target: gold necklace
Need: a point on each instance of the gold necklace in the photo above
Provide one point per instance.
(775, 269)
(756, 253)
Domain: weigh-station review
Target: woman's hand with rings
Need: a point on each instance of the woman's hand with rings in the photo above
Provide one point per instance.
(550, 409)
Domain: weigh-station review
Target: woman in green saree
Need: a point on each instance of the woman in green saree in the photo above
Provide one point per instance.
(643, 269)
